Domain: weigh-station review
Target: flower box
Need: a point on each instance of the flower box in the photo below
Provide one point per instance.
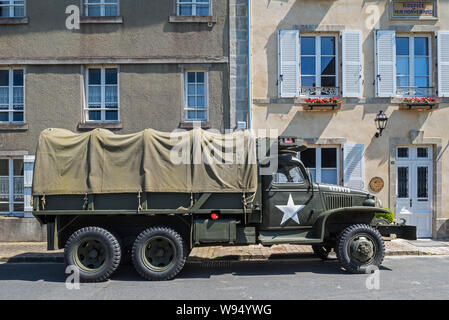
(322, 104)
(419, 104)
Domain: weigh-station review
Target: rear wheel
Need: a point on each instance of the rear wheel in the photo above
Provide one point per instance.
(159, 253)
(94, 252)
(360, 247)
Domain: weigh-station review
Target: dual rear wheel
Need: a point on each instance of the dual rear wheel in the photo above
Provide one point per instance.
(158, 253)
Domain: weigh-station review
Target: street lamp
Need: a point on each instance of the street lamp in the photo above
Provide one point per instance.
(381, 122)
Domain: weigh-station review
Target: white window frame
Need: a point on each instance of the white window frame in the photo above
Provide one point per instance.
(11, 176)
(411, 66)
(12, 4)
(102, 4)
(318, 64)
(206, 97)
(11, 87)
(318, 169)
(103, 108)
(193, 3)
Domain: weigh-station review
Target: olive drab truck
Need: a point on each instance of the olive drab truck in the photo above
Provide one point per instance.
(151, 197)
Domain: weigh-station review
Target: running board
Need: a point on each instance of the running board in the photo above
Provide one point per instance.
(304, 236)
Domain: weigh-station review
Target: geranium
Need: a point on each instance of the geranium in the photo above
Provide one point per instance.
(427, 100)
(332, 100)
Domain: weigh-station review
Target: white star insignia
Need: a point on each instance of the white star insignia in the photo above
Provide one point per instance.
(290, 210)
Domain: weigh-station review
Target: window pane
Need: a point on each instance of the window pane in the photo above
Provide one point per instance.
(94, 10)
(18, 167)
(200, 77)
(191, 89)
(95, 94)
(111, 76)
(111, 10)
(4, 207)
(308, 66)
(185, 10)
(18, 95)
(329, 176)
(422, 182)
(308, 158)
(4, 167)
(307, 45)
(111, 115)
(327, 45)
(329, 157)
(4, 96)
(4, 116)
(111, 93)
(191, 103)
(18, 77)
(4, 188)
(328, 82)
(421, 66)
(402, 46)
(202, 10)
(402, 182)
(421, 47)
(200, 102)
(403, 81)
(18, 188)
(423, 152)
(308, 81)
(95, 115)
(18, 207)
(328, 65)
(4, 78)
(421, 82)
(94, 76)
(200, 89)
(191, 77)
(402, 152)
(17, 117)
(402, 66)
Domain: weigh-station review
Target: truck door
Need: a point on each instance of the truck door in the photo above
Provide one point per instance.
(288, 200)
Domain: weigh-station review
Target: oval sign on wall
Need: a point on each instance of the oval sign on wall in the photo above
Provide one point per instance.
(376, 184)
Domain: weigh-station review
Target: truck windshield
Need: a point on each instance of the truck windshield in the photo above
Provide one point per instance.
(288, 175)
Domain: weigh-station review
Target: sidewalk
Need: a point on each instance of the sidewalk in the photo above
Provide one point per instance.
(36, 251)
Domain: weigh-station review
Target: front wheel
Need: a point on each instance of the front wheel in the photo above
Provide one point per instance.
(359, 248)
(94, 252)
(159, 253)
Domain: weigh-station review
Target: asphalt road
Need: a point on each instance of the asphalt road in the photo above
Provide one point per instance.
(400, 278)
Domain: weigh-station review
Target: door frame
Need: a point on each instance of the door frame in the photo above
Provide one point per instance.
(416, 139)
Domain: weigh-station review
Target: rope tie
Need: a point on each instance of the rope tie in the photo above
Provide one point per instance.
(139, 197)
(86, 202)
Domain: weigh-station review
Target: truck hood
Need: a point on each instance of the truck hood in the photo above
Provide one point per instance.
(339, 189)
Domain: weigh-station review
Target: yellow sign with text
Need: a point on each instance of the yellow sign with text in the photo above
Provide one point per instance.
(413, 9)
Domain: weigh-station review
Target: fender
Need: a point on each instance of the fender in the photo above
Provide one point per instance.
(324, 216)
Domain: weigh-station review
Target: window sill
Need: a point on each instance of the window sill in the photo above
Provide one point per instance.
(100, 20)
(22, 20)
(190, 125)
(13, 126)
(100, 125)
(192, 19)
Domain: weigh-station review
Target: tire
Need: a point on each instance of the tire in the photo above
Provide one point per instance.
(321, 251)
(94, 252)
(360, 247)
(159, 253)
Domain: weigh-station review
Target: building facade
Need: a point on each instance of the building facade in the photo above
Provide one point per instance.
(323, 70)
(127, 66)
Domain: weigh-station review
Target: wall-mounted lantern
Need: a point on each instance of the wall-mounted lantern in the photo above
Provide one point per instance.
(381, 122)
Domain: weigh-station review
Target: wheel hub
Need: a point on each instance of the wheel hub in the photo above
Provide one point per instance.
(362, 249)
(158, 254)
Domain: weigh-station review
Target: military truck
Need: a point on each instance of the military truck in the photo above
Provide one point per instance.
(149, 198)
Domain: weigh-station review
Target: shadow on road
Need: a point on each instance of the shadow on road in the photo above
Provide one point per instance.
(55, 272)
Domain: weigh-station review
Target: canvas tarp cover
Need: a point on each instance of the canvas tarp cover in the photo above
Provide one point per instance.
(100, 161)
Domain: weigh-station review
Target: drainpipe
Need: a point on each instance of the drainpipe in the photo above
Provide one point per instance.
(249, 64)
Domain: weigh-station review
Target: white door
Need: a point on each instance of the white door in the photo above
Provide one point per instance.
(414, 188)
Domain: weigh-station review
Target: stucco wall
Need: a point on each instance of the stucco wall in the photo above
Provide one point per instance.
(355, 121)
(150, 97)
(145, 32)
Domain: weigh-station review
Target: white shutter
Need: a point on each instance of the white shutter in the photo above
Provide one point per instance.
(28, 167)
(385, 45)
(353, 170)
(288, 60)
(352, 63)
(443, 63)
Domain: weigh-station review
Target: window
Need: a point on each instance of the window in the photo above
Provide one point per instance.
(11, 96)
(101, 8)
(288, 175)
(195, 95)
(11, 186)
(12, 9)
(102, 95)
(413, 66)
(323, 163)
(193, 7)
(318, 66)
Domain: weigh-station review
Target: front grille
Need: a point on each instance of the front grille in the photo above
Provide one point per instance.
(333, 201)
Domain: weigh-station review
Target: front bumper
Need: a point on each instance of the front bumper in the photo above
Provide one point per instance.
(401, 231)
